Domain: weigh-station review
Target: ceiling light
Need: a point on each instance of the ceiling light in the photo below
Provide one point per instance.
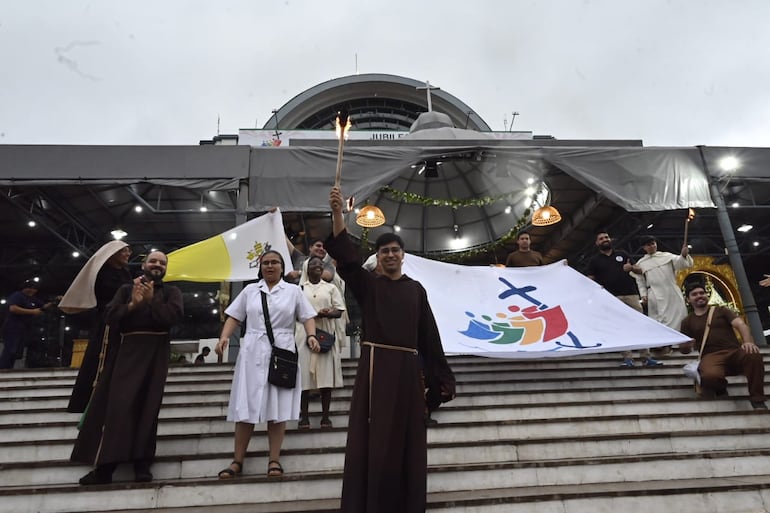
(396, 227)
(546, 216)
(203, 209)
(745, 228)
(31, 224)
(736, 205)
(508, 209)
(530, 181)
(75, 254)
(729, 163)
(457, 242)
(36, 279)
(649, 226)
(370, 217)
(2, 301)
(118, 234)
(215, 311)
(137, 208)
(756, 243)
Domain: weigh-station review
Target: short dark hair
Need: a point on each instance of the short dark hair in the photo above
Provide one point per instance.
(692, 286)
(315, 258)
(646, 239)
(387, 238)
(312, 241)
(523, 232)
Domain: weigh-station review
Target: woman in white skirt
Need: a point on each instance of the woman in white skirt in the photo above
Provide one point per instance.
(252, 399)
(319, 371)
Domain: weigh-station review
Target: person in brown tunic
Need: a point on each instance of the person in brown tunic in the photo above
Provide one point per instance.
(524, 256)
(723, 355)
(121, 422)
(386, 452)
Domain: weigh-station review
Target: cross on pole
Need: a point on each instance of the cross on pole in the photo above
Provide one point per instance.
(427, 87)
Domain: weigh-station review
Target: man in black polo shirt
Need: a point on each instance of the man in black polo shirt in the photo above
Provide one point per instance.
(610, 269)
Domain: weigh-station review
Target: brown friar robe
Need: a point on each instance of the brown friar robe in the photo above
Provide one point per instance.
(108, 280)
(386, 452)
(121, 422)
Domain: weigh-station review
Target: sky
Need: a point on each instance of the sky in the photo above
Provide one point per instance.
(671, 73)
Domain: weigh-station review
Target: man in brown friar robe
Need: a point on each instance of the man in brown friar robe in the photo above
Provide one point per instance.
(386, 453)
(121, 422)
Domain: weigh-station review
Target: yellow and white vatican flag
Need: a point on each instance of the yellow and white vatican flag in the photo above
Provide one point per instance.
(232, 255)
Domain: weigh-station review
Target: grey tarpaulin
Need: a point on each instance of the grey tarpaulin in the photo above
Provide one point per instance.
(637, 179)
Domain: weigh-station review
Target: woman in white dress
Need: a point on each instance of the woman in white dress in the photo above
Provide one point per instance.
(320, 371)
(252, 399)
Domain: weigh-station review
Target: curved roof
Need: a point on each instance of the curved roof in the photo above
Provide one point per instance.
(374, 101)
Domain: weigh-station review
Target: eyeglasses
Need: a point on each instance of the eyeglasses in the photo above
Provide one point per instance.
(394, 250)
(271, 262)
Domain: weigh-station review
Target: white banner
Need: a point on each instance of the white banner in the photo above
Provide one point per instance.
(531, 312)
(257, 137)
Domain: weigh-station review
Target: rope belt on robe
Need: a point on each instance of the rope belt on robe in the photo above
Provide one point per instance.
(101, 367)
(372, 346)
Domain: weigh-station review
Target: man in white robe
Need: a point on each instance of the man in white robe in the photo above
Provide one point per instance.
(655, 275)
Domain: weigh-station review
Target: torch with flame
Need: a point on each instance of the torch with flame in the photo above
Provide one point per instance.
(342, 127)
(690, 217)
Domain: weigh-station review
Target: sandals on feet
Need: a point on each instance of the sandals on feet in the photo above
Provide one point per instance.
(274, 469)
(303, 423)
(229, 472)
(326, 423)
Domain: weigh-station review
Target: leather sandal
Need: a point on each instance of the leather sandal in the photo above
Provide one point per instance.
(274, 469)
(326, 423)
(229, 473)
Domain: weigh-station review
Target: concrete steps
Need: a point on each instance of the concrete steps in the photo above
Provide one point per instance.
(556, 435)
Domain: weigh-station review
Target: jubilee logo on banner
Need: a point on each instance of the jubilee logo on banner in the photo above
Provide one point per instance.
(534, 312)
(526, 321)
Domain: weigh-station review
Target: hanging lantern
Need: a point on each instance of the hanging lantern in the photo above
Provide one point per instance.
(370, 217)
(546, 216)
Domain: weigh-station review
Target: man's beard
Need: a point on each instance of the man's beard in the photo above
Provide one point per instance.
(154, 275)
(605, 245)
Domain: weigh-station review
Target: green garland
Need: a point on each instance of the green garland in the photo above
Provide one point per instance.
(411, 197)
(365, 244)
(521, 223)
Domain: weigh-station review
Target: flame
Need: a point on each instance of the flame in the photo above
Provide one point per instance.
(690, 214)
(339, 129)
